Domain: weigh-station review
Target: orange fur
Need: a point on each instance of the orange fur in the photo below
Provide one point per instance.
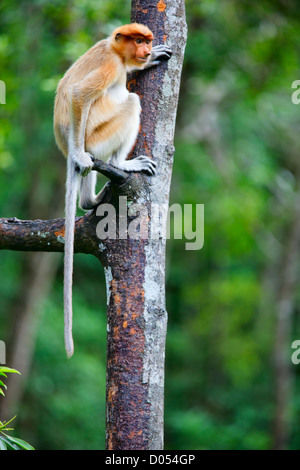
(134, 30)
(92, 77)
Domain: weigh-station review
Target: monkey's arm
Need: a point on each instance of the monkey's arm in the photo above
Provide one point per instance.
(81, 96)
(79, 111)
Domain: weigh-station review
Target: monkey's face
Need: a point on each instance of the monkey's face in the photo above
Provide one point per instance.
(142, 51)
(135, 50)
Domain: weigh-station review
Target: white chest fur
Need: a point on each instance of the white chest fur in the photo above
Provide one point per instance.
(118, 93)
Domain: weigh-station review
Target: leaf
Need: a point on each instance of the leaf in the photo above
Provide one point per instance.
(2, 384)
(3, 372)
(5, 423)
(9, 443)
(9, 370)
(20, 442)
(2, 444)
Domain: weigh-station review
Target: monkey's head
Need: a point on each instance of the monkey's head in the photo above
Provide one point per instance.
(134, 43)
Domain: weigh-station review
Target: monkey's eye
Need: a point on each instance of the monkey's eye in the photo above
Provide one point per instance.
(139, 41)
(148, 41)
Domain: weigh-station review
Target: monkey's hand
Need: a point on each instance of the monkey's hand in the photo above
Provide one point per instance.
(159, 53)
(83, 162)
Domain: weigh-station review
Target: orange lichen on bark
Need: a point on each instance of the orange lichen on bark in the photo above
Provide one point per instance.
(117, 297)
(131, 84)
(134, 434)
(111, 392)
(116, 332)
(161, 6)
(60, 233)
(146, 147)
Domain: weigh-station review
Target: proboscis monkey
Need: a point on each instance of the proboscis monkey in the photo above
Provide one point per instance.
(95, 116)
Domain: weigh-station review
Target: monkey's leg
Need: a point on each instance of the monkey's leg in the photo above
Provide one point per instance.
(106, 139)
(116, 139)
(119, 156)
(87, 196)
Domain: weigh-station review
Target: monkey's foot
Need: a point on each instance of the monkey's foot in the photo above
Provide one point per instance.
(141, 163)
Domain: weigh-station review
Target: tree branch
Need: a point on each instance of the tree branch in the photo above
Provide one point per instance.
(114, 174)
(46, 235)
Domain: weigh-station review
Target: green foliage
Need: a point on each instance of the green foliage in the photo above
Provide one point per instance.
(3, 372)
(68, 394)
(8, 442)
(236, 127)
(11, 443)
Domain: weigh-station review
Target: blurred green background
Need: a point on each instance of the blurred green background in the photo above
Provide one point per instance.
(234, 305)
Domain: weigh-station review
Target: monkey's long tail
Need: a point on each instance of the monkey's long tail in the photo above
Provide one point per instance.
(70, 214)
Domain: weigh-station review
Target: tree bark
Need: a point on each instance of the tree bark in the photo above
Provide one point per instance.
(134, 263)
(137, 317)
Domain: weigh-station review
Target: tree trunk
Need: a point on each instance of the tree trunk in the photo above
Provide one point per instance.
(135, 273)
